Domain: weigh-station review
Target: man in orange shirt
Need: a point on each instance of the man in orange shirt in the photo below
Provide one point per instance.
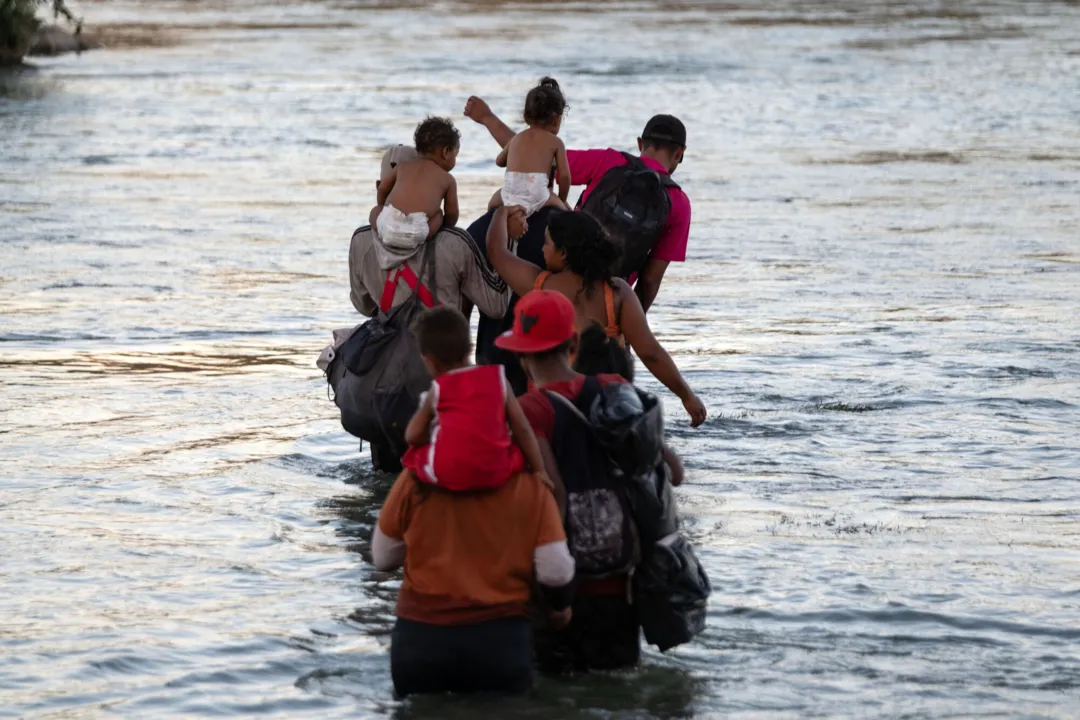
(470, 562)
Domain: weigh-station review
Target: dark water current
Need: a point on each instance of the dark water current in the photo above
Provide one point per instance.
(881, 308)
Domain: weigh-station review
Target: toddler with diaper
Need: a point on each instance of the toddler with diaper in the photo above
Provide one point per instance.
(419, 195)
(529, 156)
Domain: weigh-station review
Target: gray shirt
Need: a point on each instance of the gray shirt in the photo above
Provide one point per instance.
(462, 275)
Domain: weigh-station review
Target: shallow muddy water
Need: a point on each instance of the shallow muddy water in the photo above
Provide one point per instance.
(881, 308)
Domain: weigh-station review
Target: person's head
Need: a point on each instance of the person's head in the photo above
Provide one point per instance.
(443, 336)
(544, 331)
(597, 354)
(575, 241)
(438, 140)
(545, 105)
(664, 140)
(390, 159)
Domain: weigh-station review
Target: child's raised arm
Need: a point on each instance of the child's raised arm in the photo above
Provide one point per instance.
(504, 157)
(450, 204)
(562, 170)
(418, 433)
(523, 435)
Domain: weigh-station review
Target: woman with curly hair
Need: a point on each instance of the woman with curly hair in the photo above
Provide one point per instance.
(580, 256)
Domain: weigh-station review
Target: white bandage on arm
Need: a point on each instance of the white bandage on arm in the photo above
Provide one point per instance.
(386, 553)
(554, 565)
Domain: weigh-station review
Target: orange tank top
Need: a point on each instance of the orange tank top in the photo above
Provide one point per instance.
(612, 328)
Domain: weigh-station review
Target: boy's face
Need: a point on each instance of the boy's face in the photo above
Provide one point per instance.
(446, 158)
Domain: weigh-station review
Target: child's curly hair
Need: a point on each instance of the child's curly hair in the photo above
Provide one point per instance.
(434, 134)
(545, 103)
(590, 251)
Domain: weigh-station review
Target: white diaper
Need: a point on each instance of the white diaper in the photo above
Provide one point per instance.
(400, 232)
(529, 190)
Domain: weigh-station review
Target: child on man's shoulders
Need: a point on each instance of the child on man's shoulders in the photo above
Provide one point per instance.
(419, 195)
(530, 155)
(459, 439)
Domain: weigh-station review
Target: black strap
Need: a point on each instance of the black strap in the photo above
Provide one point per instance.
(557, 399)
(665, 179)
(429, 262)
(583, 402)
(589, 391)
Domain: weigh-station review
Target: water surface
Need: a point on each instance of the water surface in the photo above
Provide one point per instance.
(880, 308)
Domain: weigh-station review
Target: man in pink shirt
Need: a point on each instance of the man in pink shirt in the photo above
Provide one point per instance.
(661, 145)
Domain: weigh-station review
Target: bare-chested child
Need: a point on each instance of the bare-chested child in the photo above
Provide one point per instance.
(419, 196)
(528, 157)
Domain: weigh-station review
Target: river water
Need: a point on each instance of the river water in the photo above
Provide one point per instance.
(881, 307)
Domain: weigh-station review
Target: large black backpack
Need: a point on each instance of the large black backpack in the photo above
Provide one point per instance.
(631, 202)
(670, 587)
(600, 529)
(378, 374)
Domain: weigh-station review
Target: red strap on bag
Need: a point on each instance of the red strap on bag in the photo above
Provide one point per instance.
(411, 280)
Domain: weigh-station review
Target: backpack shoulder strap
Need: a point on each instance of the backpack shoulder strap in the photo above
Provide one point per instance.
(541, 279)
(612, 330)
(556, 398)
(579, 405)
(404, 272)
(665, 178)
(589, 390)
(389, 288)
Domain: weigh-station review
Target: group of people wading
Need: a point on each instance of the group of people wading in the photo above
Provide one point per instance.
(533, 512)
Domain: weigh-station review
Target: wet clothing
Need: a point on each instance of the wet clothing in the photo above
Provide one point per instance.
(470, 446)
(491, 656)
(604, 632)
(529, 190)
(603, 635)
(587, 167)
(470, 564)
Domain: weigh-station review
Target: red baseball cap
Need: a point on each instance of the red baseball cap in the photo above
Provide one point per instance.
(543, 319)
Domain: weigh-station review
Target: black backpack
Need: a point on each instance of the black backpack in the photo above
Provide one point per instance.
(378, 374)
(670, 587)
(631, 202)
(600, 529)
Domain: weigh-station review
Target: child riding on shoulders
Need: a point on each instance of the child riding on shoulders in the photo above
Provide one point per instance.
(419, 196)
(530, 155)
(459, 439)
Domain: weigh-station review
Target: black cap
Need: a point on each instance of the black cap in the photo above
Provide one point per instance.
(666, 128)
